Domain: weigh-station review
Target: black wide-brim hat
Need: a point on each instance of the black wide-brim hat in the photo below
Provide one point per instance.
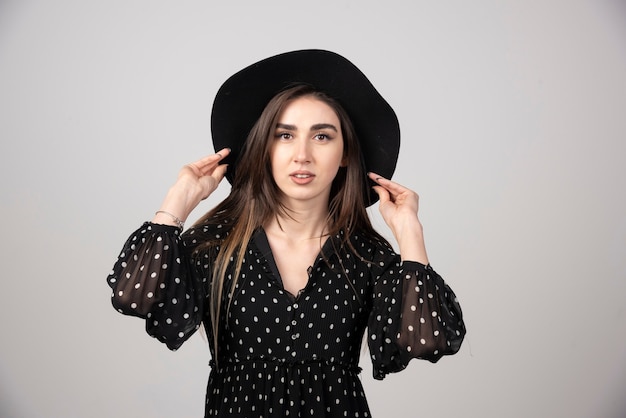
(242, 98)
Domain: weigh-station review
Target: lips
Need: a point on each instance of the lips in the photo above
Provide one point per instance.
(302, 177)
(302, 174)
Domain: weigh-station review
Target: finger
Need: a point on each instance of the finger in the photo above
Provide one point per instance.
(220, 172)
(212, 181)
(375, 177)
(380, 180)
(210, 161)
(393, 187)
(383, 194)
(223, 153)
(193, 168)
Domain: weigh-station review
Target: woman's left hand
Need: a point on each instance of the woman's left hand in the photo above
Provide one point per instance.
(398, 207)
(398, 204)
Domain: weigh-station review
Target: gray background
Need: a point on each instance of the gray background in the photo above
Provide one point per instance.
(513, 126)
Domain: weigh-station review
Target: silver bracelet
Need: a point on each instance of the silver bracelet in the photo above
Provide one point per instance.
(175, 218)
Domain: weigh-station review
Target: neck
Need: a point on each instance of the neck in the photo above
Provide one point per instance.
(299, 224)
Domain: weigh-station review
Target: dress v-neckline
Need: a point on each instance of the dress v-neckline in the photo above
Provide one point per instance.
(262, 242)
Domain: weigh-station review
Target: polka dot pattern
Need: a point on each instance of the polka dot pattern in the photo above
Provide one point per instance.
(281, 354)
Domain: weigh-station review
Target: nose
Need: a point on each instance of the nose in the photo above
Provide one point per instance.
(302, 152)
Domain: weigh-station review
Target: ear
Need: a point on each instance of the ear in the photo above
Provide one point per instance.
(344, 159)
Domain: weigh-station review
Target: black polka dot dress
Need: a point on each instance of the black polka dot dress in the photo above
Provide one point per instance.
(288, 355)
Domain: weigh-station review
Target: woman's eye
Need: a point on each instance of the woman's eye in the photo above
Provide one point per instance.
(322, 137)
(283, 135)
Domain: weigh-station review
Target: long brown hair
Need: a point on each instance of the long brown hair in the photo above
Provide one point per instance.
(255, 197)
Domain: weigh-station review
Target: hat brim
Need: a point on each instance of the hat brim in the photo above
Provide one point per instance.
(241, 99)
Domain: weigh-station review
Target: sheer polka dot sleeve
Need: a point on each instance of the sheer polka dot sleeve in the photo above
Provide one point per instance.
(151, 279)
(415, 315)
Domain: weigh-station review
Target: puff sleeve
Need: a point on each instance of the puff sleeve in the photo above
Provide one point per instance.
(153, 279)
(414, 314)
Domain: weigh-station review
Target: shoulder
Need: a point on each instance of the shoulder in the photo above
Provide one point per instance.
(370, 245)
(213, 230)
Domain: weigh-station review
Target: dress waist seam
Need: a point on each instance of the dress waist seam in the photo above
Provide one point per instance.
(225, 365)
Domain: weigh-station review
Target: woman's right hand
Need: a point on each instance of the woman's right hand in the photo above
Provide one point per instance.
(203, 176)
(196, 181)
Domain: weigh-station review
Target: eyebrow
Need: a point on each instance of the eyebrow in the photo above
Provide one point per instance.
(315, 127)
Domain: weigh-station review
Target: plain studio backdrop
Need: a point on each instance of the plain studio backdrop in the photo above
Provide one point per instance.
(513, 119)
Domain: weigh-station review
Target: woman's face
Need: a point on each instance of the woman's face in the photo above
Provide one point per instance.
(306, 152)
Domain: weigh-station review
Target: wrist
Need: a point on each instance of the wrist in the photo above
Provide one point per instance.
(176, 207)
(410, 227)
(171, 219)
(411, 242)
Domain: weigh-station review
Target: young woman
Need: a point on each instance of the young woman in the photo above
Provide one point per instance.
(287, 273)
